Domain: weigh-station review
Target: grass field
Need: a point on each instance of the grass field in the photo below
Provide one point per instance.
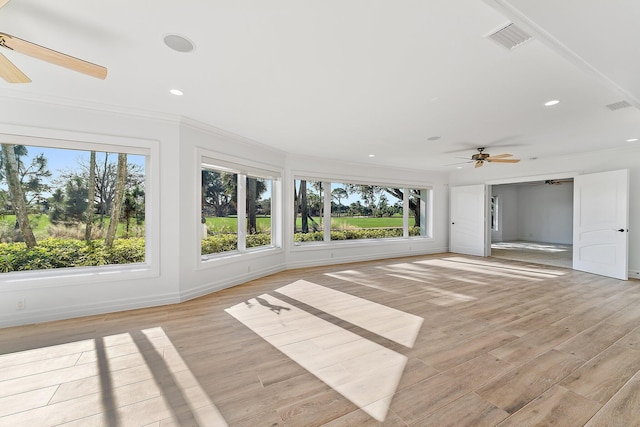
(229, 224)
(41, 225)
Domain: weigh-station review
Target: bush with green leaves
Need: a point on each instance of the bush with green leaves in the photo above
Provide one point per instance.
(63, 253)
(356, 233)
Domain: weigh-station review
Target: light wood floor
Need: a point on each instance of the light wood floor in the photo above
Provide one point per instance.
(443, 340)
(555, 254)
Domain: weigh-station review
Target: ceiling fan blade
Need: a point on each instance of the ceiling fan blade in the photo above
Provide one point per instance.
(52, 56)
(494, 160)
(500, 156)
(10, 72)
(3, 2)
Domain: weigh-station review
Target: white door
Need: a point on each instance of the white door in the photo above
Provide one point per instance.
(601, 222)
(468, 228)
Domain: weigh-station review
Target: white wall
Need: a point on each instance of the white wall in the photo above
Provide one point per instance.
(538, 212)
(176, 274)
(48, 297)
(546, 213)
(563, 167)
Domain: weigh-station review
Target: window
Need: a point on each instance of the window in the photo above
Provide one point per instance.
(236, 208)
(258, 212)
(219, 211)
(308, 206)
(63, 207)
(372, 212)
(358, 211)
(494, 213)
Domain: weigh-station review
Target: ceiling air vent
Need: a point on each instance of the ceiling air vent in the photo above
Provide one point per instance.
(618, 105)
(510, 36)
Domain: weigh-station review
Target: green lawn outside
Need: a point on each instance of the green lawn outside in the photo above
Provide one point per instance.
(229, 224)
(40, 225)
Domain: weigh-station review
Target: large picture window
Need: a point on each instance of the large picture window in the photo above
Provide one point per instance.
(373, 212)
(63, 207)
(236, 209)
(357, 211)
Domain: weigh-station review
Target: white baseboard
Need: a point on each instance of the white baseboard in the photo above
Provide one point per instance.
(360, 258)
(224, 284)
(59, 313)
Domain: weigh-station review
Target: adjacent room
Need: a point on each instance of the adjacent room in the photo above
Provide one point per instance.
(295, 213)
(533, 221)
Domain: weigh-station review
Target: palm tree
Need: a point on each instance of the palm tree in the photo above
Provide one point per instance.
(339, 194)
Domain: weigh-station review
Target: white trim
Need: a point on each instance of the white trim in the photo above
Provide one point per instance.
(353, 179)
(38, 316)
(518, 179)
(316, 262)
(211, 287)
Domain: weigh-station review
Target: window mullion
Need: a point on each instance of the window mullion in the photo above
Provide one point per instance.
(405, 212)
(242, 212)
(327, 211)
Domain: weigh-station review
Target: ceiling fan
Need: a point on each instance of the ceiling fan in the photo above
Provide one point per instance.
(482, 157)
(12, 74)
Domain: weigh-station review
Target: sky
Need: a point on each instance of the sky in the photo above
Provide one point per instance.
(60, 160)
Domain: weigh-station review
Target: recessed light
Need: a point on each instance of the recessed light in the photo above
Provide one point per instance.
(372, 155)
(178, 43)
(551, 103)
(176, 92)
(632, 139)
(459, 167)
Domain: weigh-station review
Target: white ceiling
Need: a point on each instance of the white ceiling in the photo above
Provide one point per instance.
(345, 79)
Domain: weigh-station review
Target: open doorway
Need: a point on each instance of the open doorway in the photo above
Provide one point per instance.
(533, 221)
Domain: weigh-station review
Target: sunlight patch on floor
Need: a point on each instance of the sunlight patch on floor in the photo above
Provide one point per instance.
(360, 278)
(486, 268)
(542, 247)
(388, 322)
(536, 271)
(105, 381)
(446, 297)
(361, 370)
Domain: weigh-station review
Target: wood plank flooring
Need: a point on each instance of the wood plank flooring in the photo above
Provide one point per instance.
(556, 254)
(439, 340)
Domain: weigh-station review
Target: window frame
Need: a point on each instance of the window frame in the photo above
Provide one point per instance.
(243, 169)
(427, 212)
(55, 277)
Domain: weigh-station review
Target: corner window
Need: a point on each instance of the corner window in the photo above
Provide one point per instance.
(236, 207)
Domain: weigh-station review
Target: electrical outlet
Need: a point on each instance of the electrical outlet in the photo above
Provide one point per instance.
(21, 304)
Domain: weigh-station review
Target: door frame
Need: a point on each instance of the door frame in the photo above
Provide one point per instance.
(518, 180)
